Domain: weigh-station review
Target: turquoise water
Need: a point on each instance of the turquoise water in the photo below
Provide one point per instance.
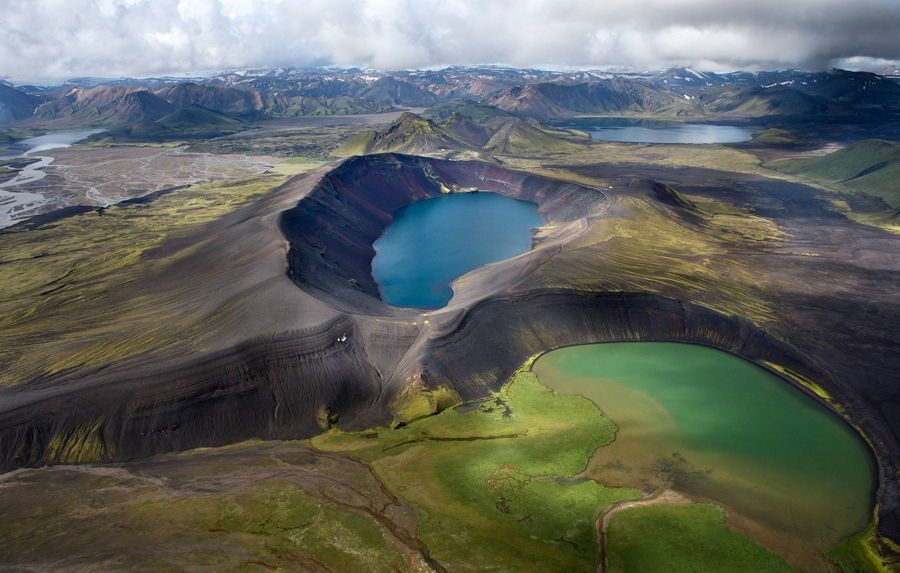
(432, 242)
(645, 131)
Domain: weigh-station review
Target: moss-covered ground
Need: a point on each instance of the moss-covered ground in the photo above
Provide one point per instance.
(867, 167)
(62, 283)
(315, 142)
(253, 507)
(490, 485)
(684, 538)
(499, 478)
(495, 478)
(864, 553)
(640, 246)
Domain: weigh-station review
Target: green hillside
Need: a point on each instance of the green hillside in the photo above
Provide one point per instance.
(473, 110)
(193, 122)
(198, 118)
(497, 133)
(871, 167)
(295, 106)
(519, 137)
(776, 137)
(760, 102)
(409, 133)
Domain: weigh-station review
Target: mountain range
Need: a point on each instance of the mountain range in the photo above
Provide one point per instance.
(221, 103)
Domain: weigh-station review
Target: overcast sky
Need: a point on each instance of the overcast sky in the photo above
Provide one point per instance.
(46, 40)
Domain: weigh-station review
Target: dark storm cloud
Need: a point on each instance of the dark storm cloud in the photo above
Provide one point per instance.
(51, 39)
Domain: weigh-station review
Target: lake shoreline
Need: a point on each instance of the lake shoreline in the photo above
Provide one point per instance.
(711, 442)
(656, 131)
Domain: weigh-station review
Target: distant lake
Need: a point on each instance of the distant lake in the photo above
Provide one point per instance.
(55, 140)
(433, 242)
(651, 131)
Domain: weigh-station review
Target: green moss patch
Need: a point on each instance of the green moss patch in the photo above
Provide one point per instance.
(673, 539)
(495, 479)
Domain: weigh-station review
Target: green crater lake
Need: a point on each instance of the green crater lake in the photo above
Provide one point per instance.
(720, 428)
(432, 242)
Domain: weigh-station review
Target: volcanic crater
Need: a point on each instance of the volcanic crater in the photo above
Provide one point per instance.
(318, 347)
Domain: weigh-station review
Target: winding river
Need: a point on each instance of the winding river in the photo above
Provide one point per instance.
(13, 202)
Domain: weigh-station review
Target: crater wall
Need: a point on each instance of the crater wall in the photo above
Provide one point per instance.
(331, 231)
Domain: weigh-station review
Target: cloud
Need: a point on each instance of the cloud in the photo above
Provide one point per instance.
(55, 39)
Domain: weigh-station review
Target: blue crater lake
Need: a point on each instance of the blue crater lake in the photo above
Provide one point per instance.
(432, 242)
(648, 131)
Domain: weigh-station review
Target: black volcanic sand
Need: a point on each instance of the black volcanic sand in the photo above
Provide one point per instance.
(795, 287)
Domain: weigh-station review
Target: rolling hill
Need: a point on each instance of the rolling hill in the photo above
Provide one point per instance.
(412, 133)
(118, 106)
(859, 89)
(759, 101)
(464, 128)
(472, 109)
(293, 106)
(239, 103)
(396, 92)
(191, 122)
(252, 104)
(870, 167)
(517, 136)
(102, 106)
(409, 133)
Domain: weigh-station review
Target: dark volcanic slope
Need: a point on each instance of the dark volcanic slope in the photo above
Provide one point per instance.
(788, 284)
(219, 399)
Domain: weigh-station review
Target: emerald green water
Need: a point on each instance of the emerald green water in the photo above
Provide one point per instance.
(715, 426)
